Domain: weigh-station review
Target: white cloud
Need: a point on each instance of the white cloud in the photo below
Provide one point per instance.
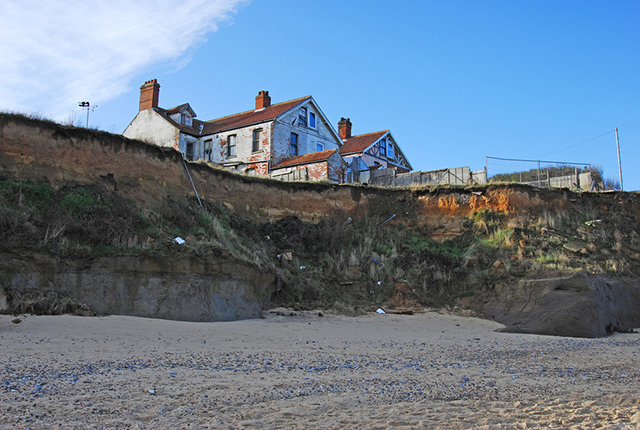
(55, 53)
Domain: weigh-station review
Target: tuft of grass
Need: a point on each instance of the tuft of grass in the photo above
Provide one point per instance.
(78, 202)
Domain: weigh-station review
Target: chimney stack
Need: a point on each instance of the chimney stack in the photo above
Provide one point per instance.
(149, 93)
(263, 100)
(344, 129)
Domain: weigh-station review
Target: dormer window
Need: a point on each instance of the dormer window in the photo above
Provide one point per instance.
(185, 120)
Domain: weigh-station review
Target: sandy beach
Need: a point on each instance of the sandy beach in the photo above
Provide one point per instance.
(305, 371)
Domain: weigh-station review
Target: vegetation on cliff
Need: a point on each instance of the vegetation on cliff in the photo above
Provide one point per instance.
(348, 265)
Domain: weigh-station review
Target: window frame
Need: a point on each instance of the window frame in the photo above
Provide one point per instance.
(256, 143)
(294, 146)
(302, 117)
(315, 120)
(319, 146)
(383, 147)
(207, 148)
(231, 153)
(190, 150)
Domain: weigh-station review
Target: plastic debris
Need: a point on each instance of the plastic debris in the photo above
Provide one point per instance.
(380, 311)
(152, 392)
(379, 282)
(377, 262)
(179, 240)
(303, 267)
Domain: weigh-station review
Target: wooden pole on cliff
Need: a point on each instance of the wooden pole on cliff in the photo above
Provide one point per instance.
(619, 162)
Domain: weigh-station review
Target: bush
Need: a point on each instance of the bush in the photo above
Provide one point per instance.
(78, 202)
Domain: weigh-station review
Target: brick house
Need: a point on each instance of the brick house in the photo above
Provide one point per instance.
(371, 151)
(275, 140)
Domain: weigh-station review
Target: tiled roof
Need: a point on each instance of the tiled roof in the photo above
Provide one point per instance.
(247, 118)
(359, 143)
(176, 109)
(313, 157)
(193, 130)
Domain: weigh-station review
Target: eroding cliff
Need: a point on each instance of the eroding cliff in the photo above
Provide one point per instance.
(179, 287)
(87, 220)
(572, 304)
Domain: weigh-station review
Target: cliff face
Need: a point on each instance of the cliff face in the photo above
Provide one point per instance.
(572, 304)
(36, 150)
(178, 287)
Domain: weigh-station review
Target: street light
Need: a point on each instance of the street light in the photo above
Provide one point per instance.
(87, 106)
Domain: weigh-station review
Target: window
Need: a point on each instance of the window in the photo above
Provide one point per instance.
(390, 150)
(312, 120)
(293, 150)
(256, 140)
(302, 117)
(208, 147)
(189, 151)
(319, 147)
(383, 147)
(231, 146)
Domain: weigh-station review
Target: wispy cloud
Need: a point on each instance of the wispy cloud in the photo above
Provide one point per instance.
(54, 53)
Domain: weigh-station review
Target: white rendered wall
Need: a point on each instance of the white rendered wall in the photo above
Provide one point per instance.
(150, 127)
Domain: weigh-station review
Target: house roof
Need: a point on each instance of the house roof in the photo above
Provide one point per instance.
(178, 108)
(244, 119)
(239, 120)
(166, 114)
(359, 143)
(313, 157)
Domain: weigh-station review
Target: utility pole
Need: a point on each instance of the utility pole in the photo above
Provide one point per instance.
(619, 162)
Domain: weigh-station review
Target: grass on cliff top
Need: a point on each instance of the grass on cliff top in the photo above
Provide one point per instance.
(340, 263)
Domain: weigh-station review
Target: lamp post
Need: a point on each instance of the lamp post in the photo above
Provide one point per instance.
(87, 106)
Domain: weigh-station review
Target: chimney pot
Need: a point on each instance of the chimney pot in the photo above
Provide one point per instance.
(344, 129)
(263, 100)
(149, 94)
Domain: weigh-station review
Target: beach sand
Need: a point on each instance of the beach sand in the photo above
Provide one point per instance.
(306, 371)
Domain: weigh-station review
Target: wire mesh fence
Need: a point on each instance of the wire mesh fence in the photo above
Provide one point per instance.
(542, 173)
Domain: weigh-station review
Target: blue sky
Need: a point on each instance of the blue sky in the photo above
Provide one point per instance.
(455, 81)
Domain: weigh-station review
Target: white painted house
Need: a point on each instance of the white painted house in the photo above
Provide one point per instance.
(270, 140)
